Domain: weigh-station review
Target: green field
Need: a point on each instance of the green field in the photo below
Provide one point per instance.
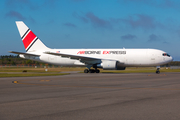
(28, 75)
(141, 70)
(29, 71)
(40, 70)
(26, 72)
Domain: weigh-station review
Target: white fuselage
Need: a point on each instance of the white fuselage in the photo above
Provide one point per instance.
(127, 57)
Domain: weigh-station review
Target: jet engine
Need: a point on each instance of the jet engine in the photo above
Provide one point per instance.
(111, 65)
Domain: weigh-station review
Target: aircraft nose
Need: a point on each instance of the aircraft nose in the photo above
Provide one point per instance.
(169, 59)
(172, 58)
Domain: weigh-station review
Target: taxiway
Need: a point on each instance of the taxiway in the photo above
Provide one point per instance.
(91, 97)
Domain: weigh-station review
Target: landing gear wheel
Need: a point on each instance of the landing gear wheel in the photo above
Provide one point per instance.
(86, 71)
(97, 71)
(157, 72)
(91, 71)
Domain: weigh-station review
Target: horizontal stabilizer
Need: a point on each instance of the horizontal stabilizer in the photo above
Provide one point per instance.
(24, 53)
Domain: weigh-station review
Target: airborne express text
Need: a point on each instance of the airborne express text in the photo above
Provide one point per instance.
(103, 52)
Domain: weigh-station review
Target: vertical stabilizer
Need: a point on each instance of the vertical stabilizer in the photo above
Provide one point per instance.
(30, 40)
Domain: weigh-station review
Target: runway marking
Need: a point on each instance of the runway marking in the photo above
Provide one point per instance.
(66, 86)
(15, 82)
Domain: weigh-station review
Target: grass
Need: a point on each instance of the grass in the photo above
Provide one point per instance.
(18, 72)
(29, 75)
(40, 70)
(141, 70)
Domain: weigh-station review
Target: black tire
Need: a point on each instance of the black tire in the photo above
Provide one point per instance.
(97, 71)
(86, 71)
(91, 71)
(157, 72)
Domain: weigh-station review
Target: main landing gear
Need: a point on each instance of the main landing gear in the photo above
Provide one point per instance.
(91, 71)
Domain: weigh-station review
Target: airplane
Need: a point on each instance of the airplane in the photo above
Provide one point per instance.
(92, 59)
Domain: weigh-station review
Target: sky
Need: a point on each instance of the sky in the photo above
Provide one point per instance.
(93, 24)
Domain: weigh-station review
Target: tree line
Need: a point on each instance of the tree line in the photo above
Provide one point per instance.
(16, 60)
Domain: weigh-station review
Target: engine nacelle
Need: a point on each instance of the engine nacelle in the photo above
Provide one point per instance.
(111, 65)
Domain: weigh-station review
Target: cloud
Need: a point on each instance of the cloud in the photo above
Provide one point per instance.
(70, 25)
(157, 38)
(20, 4)
(155, 3)
(136, 21)
(141, 21)
(153, 38)
(128, 37)
(166, 42)
(84, 19)
(10, 3)
(94, 20)
(98, 22)
(32, 5)
(14, 14)
(32, 20)
(19, 16)
(167, 4)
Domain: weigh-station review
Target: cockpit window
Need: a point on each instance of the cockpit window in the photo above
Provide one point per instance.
(165, 54)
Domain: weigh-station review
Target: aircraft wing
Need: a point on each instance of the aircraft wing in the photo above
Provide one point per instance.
(24, 53)
(84, 59)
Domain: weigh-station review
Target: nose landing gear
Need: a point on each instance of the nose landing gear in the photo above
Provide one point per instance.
(158, 70)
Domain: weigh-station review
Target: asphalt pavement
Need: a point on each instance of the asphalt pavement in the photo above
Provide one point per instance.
(79, 96)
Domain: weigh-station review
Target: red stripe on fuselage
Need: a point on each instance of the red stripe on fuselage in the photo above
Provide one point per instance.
(28, 39)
